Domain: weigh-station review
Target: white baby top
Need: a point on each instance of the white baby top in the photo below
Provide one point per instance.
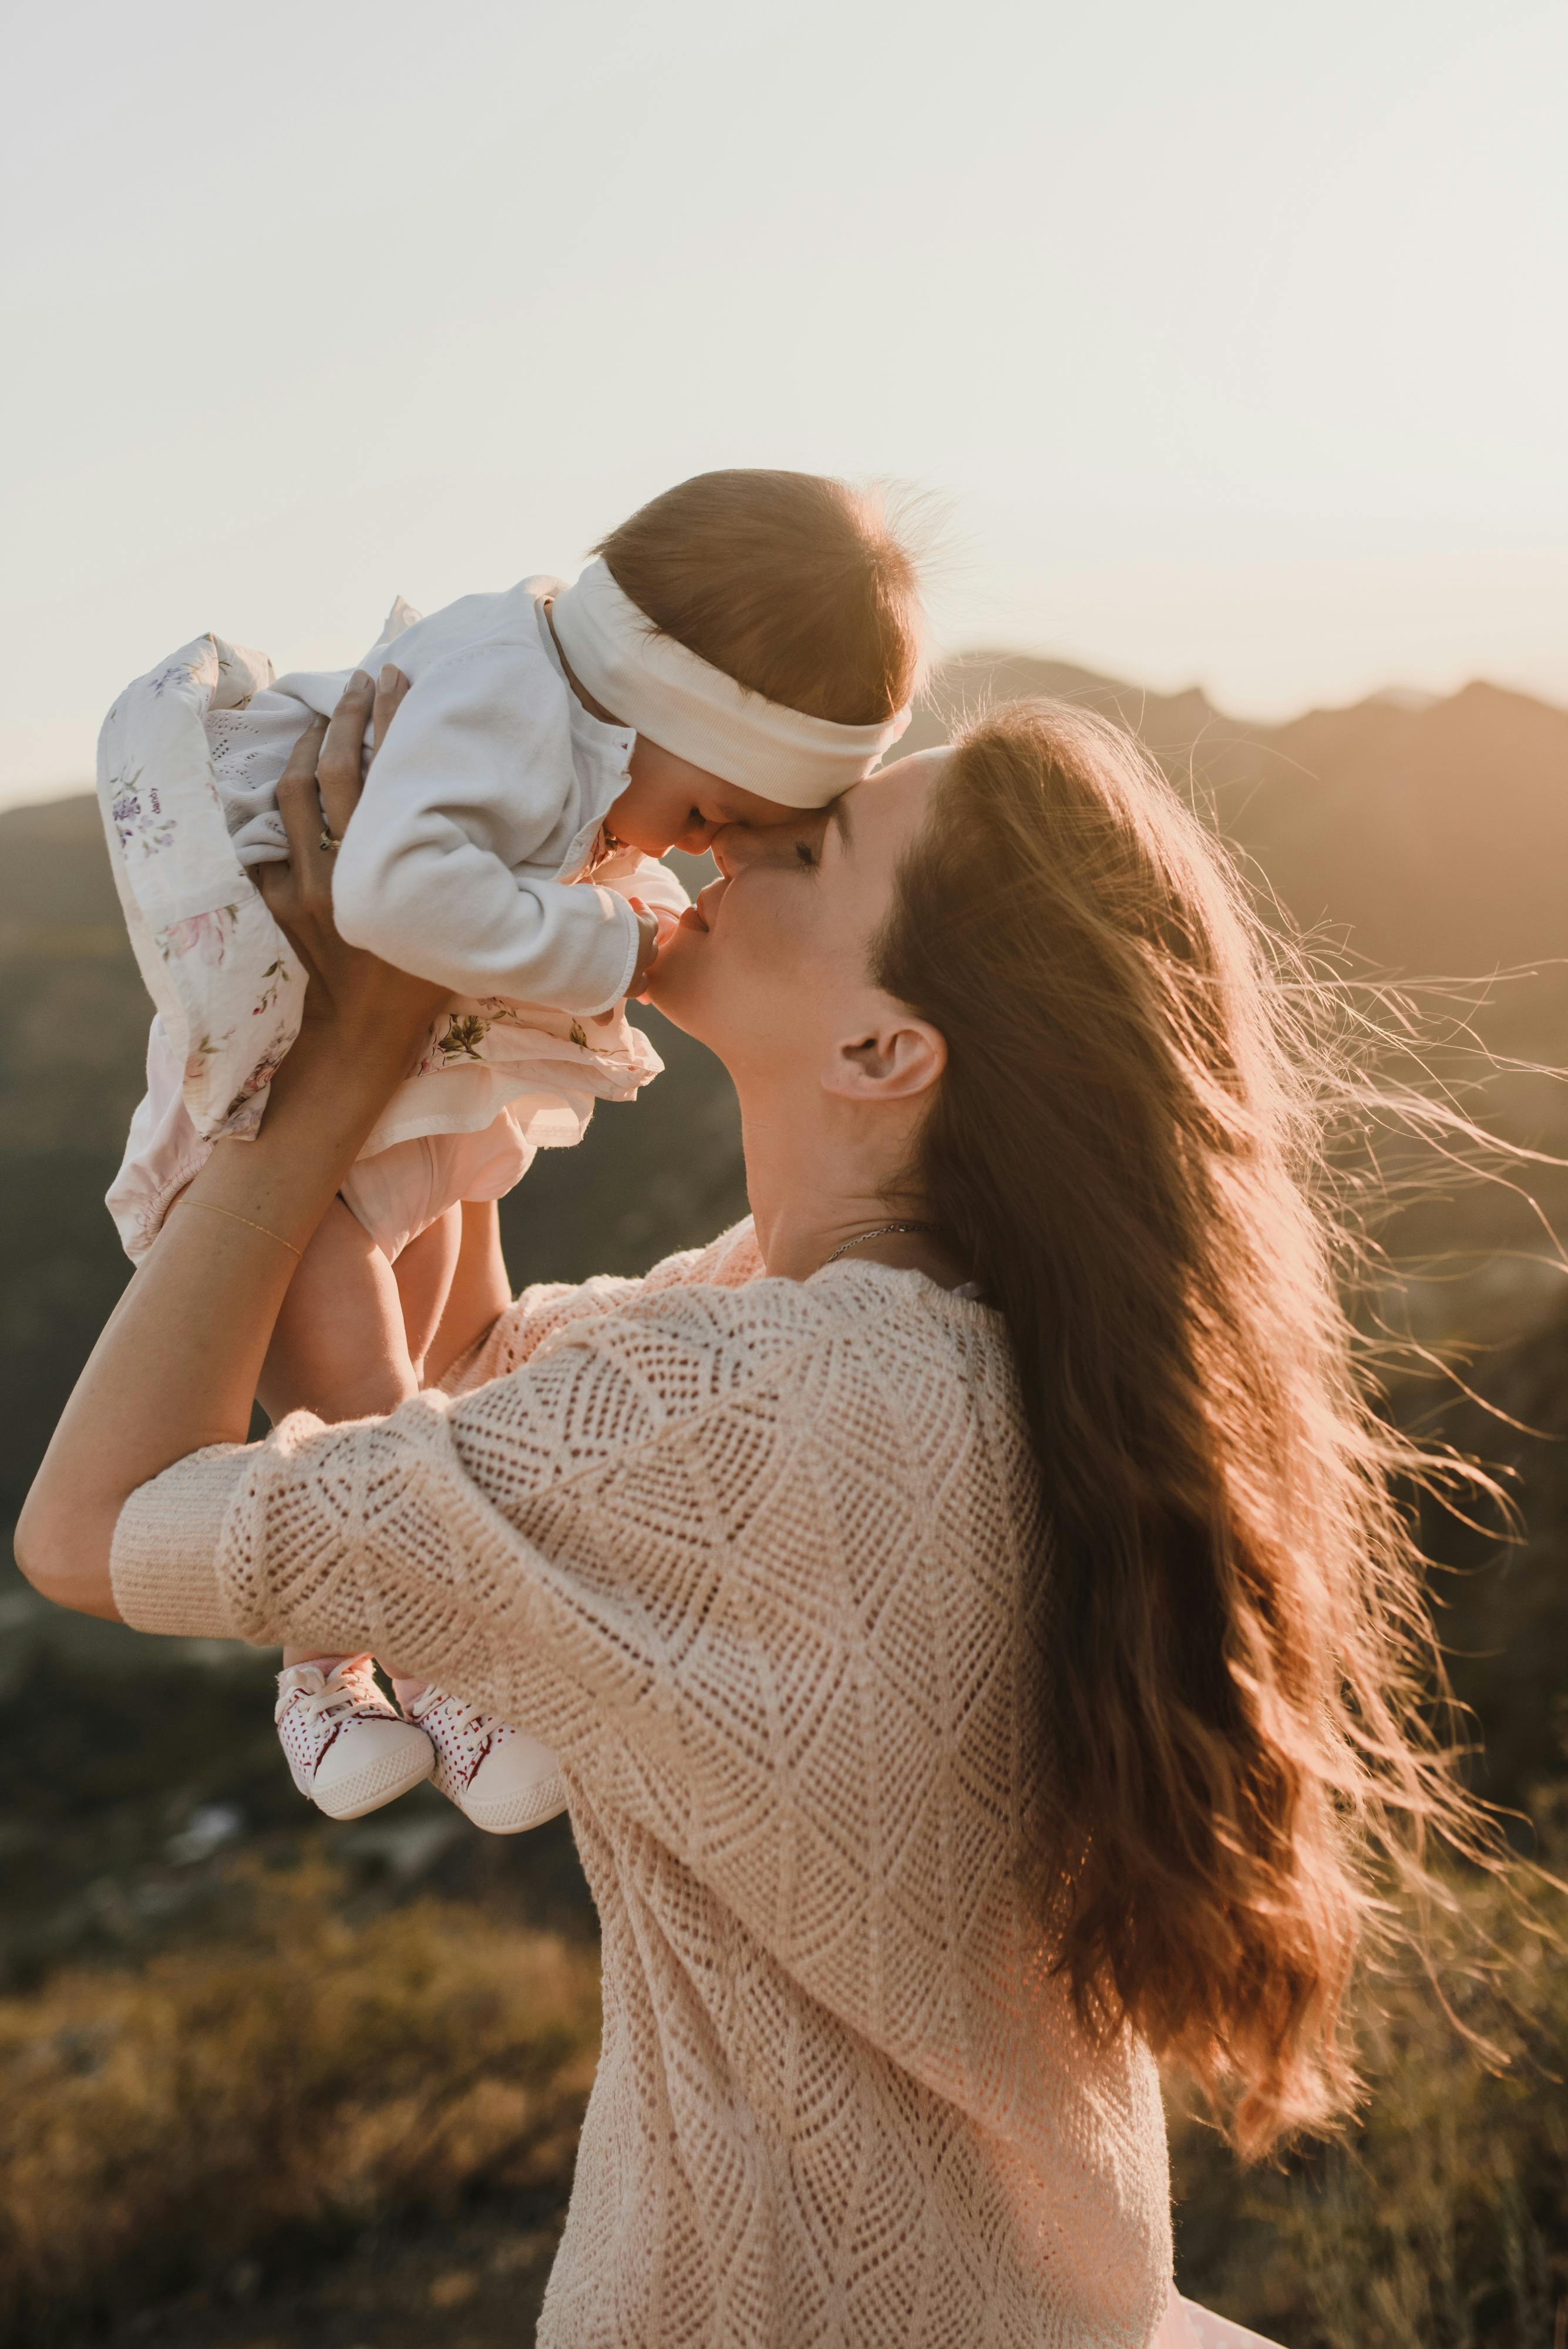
(480, 815)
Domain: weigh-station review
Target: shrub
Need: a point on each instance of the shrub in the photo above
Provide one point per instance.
(314, 2074)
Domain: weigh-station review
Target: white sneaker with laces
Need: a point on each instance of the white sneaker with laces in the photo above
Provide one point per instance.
(500, 1777)
(349, 1747)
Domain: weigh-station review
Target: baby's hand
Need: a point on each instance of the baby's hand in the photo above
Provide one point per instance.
(652, 938)
(652, 931)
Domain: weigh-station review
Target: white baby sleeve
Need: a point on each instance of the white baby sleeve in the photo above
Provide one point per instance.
(474, 778)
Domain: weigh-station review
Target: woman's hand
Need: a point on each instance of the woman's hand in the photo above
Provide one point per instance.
(349, 994)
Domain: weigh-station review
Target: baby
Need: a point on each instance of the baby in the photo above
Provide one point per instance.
(744, 646)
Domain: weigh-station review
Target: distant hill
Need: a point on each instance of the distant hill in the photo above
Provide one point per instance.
(1434, 834)
(1431, 836)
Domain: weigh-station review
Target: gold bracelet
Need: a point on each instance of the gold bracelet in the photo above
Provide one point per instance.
(214, 1209)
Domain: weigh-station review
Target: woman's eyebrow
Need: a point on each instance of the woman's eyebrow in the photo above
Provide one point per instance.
(838, 816)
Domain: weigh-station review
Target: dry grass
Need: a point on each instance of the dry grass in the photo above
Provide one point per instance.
(1442, 2222)
(309, 2074)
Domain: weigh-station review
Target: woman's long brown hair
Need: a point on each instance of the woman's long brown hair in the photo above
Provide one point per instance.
(1127, 1147)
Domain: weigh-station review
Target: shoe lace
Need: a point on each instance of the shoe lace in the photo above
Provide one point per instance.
(331, 1695)
(462, 1718)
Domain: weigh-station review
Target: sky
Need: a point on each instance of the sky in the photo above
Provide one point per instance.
(1227, 343)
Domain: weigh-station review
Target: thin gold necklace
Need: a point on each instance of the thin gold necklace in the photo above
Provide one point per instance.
(880, 1232)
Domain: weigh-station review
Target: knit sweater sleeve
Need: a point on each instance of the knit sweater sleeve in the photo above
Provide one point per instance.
(167, 1540)
(686, 1543)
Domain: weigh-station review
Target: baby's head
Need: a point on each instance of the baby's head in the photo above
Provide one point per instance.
(795, 586)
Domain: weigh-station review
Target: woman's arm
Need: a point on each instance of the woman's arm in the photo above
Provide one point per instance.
(177, 1366)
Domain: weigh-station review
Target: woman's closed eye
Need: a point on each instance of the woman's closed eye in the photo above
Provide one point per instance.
(806, 843)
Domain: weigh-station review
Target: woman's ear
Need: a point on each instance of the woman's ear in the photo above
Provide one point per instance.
(896, 1059)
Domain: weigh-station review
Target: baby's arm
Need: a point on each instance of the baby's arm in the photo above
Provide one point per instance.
(471, 783)
(657, 899)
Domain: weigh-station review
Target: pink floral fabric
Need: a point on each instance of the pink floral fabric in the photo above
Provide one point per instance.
(226, 988)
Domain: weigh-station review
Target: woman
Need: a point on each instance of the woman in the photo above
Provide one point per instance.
(967, 1604)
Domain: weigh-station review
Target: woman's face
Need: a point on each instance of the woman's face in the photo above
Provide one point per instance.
(769, 968)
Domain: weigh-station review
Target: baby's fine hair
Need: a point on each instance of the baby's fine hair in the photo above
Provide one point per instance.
(798, 587)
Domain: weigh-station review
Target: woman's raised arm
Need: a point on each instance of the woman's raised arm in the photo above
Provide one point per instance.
(176, 1366)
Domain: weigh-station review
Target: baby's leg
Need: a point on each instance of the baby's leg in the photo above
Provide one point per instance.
(452, 1281)
(337, 1348)
(423, 1273)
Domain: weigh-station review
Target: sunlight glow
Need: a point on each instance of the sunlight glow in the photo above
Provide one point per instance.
(1235, 337)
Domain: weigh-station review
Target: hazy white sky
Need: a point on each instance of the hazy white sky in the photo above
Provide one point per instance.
(1235, 336)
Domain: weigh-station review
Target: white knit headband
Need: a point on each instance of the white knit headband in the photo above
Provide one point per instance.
(687, 706)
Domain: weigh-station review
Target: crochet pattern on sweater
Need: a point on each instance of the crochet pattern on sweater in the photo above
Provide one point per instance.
(760, 1559)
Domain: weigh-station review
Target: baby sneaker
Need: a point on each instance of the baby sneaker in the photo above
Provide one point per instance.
(498, 1776)
(349, 1749)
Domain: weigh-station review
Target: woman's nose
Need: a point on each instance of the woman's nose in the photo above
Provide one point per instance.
(733, 845)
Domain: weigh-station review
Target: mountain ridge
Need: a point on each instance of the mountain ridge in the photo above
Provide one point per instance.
(1434, 834)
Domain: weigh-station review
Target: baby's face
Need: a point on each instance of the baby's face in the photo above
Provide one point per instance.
(670, 803)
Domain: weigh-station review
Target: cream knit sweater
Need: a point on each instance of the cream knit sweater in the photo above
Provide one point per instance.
(756, 1556)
